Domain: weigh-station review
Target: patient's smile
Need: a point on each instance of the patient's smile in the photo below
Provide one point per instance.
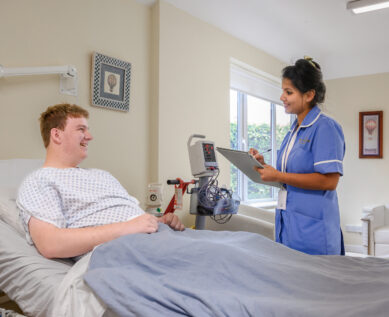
(76, 138)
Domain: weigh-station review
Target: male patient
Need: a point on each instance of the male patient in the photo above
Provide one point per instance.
(66, 210)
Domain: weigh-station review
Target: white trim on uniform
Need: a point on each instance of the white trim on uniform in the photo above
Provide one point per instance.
(312, 122)
(328, 161)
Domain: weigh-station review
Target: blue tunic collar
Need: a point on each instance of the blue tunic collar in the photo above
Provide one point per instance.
(309, 119)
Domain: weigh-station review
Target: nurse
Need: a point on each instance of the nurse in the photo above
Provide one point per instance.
(309, 164)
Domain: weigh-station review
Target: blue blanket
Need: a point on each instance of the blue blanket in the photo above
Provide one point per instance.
(208, 273)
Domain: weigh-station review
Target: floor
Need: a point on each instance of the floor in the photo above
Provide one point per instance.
(6, 303)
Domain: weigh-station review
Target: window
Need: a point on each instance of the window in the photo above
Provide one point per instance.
(255, 122)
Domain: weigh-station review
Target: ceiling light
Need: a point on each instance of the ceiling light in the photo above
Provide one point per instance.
(362, 6)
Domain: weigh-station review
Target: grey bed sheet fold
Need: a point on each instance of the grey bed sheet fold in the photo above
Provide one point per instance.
(27, 277)
(207, 273)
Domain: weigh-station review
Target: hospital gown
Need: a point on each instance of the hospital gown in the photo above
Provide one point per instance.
(74, 198)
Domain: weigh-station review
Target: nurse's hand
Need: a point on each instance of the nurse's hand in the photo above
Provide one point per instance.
(269, 173)
(257, 156)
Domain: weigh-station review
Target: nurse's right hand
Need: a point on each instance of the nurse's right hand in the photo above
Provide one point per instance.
(257, 156)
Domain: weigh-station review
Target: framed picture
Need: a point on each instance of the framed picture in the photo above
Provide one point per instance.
(110, 82)
(370, 134)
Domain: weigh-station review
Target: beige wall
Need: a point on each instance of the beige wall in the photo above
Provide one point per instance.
(179, 86)
(54, 32)
(365, 180)
(194, 98)
(194, 83)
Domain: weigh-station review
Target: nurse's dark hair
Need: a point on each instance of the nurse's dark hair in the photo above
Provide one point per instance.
(56, 116)
(306, 75)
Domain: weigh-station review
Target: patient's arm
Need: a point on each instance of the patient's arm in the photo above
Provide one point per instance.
(54, 242)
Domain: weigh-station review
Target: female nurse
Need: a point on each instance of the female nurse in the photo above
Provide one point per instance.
(309, 164)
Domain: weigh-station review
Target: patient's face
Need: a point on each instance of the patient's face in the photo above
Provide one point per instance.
(75, 139)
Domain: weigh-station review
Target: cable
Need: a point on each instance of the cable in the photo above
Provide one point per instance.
(218, 202)
(221, 219)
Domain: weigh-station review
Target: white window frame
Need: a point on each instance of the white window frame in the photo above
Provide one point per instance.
(242, 137)
(247, 80)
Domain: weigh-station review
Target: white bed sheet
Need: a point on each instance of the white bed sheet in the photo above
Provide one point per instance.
(73, 294)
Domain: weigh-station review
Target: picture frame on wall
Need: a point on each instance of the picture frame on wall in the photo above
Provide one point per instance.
(110, 82)
(370, 134)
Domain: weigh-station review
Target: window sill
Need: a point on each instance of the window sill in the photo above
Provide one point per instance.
(272, 204)
(262, 213)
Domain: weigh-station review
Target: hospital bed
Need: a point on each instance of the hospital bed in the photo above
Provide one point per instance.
(193, 273)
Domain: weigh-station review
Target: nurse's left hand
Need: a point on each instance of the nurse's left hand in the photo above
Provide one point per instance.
(268, 173)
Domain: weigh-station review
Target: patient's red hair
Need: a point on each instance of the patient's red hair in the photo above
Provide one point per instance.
(56, 116)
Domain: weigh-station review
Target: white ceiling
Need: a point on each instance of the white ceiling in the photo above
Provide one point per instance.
(343, 44)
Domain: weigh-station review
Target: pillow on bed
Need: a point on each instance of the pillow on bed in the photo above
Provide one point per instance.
(9, 213)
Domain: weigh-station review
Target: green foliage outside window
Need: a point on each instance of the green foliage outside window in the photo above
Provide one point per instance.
(259, 137)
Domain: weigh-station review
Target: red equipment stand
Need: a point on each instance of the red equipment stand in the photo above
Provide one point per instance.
(180, 184)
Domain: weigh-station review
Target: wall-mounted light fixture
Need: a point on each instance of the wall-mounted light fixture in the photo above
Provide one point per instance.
(362, 6)
(68, 75)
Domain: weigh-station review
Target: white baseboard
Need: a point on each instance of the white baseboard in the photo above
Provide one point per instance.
(355, 248)
(354, 228)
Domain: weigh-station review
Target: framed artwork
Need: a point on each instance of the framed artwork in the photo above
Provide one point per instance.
(370, 134)
(110, 82)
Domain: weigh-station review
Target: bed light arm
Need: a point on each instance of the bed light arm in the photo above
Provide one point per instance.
(68, 75)
(67, 71)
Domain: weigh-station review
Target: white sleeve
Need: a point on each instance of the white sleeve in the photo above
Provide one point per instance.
(41, 200)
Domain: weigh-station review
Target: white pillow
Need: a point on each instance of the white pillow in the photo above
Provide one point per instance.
(9, 213)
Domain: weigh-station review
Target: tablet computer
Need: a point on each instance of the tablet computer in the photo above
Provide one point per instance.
(245, 162)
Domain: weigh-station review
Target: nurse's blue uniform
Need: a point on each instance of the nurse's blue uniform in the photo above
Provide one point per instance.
(310, 222)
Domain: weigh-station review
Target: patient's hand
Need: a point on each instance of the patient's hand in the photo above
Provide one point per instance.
(145, 223)
(172, 221)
